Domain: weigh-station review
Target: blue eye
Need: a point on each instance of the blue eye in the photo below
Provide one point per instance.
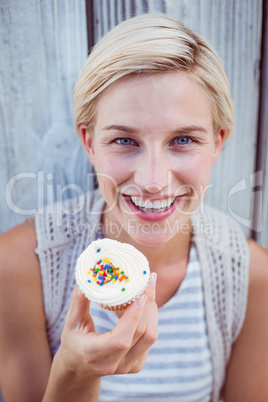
(125, 141)
(183, 140)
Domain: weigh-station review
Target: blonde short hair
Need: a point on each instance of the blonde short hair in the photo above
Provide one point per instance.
(152, 43)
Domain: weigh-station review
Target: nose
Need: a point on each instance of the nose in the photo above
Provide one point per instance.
(152, 172)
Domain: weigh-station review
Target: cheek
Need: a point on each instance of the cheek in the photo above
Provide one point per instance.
(111, 171)
(195, 168)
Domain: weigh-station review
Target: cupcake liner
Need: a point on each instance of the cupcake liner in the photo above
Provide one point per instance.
(121, 307)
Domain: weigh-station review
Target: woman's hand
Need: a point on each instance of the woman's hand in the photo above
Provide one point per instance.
(85, 355)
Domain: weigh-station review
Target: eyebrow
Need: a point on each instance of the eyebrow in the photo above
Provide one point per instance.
(180, 130)
(117, 127)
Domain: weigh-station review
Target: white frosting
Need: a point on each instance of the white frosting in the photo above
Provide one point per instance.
(131, 262)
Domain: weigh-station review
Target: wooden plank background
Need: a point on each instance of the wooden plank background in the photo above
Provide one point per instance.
(261, 208)
(44, 45)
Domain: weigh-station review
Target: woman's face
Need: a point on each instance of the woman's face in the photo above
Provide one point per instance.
(153, 147)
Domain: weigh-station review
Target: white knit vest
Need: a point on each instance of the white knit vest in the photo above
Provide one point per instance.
(63, 232)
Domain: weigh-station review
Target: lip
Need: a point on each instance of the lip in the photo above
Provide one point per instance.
(149, 197)
(152, 216)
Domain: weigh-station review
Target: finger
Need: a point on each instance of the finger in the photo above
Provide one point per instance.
(124, 331)
(79, 309)
(150, 293)
(136, 357)
(150, 290)
(113, 345)
(133, 322)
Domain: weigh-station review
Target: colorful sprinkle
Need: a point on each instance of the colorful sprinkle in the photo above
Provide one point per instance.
(123, 289)
(104, 272)
(98, 250)
(122, 277)
(144, 272)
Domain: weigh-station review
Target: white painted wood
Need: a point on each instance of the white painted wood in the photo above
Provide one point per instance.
(234, 29)
(261, 209)
(43, 47)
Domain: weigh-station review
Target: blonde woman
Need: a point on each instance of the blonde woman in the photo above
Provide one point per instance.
(153, 110)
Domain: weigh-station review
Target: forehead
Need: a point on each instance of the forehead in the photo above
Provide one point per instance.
(168, 98)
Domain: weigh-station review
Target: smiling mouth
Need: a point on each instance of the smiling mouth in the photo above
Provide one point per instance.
(152, 206)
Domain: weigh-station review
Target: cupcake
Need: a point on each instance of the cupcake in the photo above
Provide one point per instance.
(112, 274)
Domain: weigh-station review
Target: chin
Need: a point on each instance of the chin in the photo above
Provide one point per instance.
(150, 237)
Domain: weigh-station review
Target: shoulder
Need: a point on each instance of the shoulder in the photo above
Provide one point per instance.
(258, 259)
(15, 244)
(244, 382)
(257, 309)
(23, 339)
(20, 278)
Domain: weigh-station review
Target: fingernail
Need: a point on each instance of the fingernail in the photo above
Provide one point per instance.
(142, 301)
(152, 280)
(77, 291)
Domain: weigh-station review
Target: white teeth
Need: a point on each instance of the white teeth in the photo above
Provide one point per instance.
(156, 204)
(148, 204)
(135, 200)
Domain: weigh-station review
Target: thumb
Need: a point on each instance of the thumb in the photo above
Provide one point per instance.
(79, 309)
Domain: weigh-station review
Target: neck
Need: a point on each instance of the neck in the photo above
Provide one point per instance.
(174, 251)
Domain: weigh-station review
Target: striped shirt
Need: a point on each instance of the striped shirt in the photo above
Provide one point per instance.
(178, 366)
